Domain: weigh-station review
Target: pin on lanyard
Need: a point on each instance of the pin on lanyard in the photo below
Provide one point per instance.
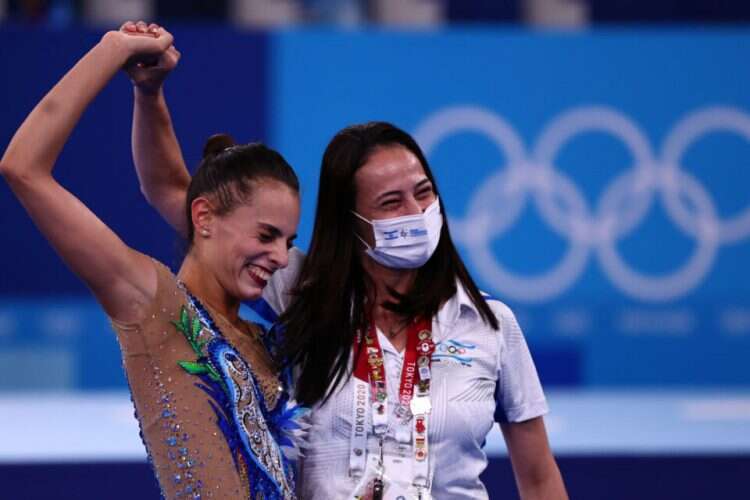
(369, 396)
(421, 406)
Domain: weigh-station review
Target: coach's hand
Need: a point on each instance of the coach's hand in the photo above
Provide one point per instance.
(148, 73)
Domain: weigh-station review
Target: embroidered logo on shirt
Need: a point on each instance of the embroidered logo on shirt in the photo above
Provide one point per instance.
(452, 350)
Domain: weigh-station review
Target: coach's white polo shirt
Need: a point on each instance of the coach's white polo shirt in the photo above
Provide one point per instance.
(480, 376)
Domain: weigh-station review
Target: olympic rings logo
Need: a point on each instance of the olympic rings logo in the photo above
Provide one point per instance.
(624, 204)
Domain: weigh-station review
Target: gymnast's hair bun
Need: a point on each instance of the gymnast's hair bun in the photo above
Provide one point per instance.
(217, 143)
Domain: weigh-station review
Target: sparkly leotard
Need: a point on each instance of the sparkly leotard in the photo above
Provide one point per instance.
(212, 410)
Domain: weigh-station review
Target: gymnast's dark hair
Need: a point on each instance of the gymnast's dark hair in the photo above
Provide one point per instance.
(330, 295)
(229, 172)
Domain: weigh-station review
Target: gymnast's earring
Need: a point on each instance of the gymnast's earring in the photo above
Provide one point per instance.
(205, 233)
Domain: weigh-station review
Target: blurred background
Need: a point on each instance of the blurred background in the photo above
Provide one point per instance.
(594, 158)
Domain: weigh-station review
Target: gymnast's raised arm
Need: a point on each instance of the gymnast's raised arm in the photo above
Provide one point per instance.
(161, 169)
(122, 279)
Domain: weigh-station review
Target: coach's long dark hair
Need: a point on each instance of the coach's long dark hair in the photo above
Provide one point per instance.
(330, 296)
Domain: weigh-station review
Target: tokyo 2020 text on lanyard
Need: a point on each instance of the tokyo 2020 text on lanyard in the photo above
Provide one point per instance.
(414, 405)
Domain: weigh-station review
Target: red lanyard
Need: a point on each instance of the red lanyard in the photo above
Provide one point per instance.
(414, 399)
(417, 359)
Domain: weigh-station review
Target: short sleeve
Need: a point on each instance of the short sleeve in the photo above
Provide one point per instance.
(276, 293)
(518, 393)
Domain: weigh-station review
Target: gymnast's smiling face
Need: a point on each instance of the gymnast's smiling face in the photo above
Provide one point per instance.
(246, 245)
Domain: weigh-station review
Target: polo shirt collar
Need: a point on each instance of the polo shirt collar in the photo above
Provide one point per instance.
(458, 307)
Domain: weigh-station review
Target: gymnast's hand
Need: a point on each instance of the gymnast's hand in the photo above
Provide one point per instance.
(148, 71)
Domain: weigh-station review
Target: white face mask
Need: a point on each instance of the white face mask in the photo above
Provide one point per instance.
(405, 242)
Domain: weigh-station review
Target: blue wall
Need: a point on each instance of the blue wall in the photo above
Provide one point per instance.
(596, 182)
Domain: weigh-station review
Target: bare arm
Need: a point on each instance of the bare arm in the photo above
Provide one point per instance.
(535, 469)
(121, 278)
(162, 173)
(161, 169)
